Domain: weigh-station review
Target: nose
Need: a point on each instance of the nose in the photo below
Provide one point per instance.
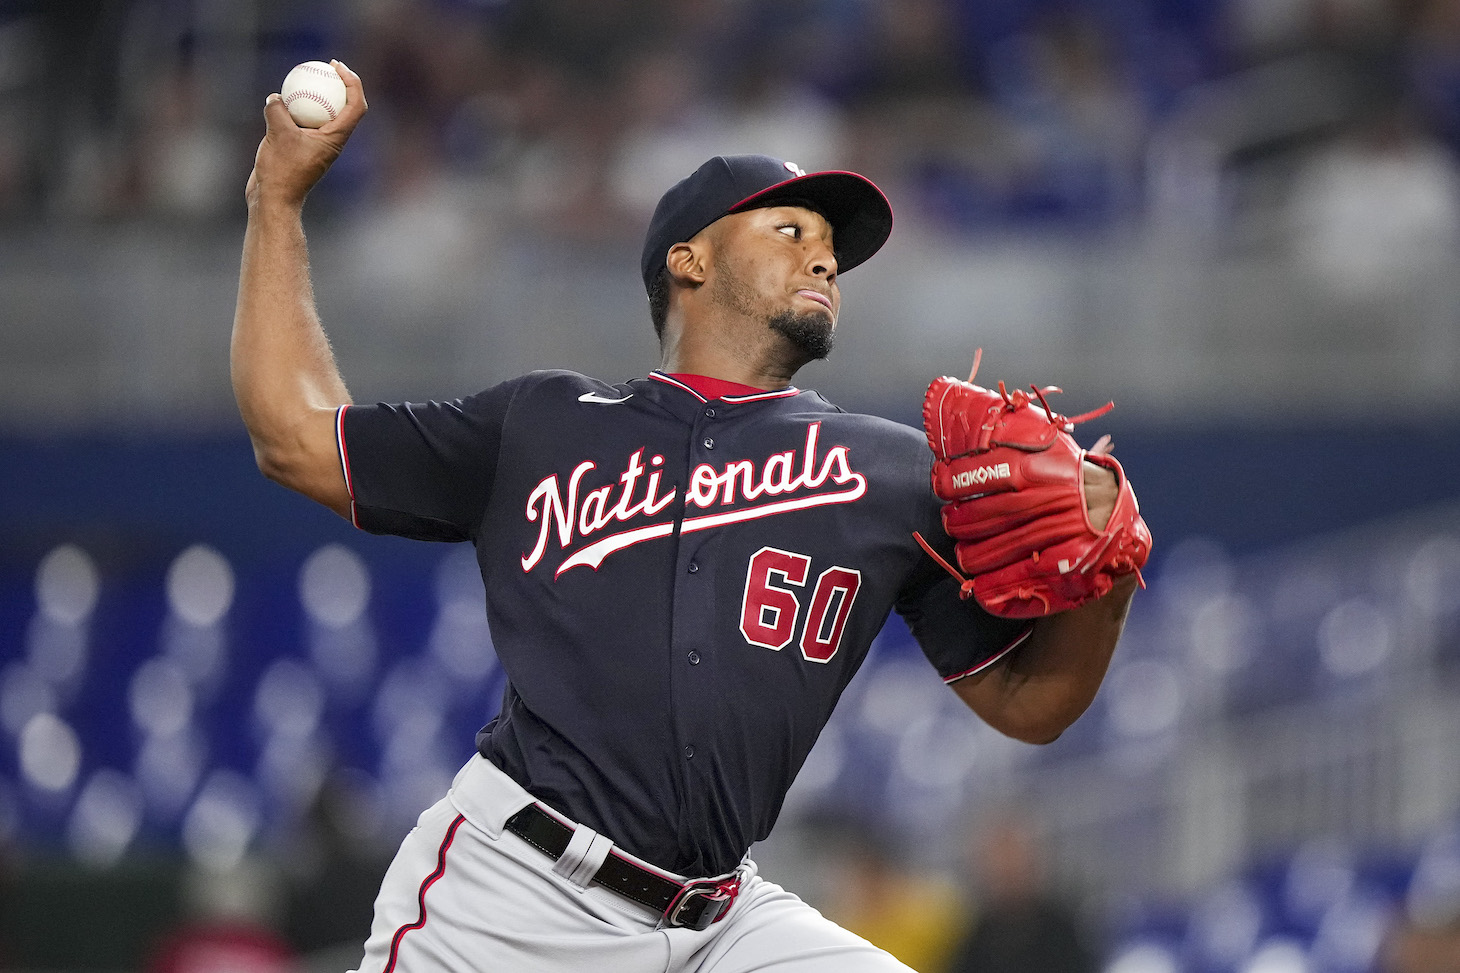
(821, 261)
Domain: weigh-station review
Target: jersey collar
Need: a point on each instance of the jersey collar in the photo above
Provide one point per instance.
(784, 393)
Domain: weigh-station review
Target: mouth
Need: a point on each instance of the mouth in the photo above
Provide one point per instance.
(815, 296)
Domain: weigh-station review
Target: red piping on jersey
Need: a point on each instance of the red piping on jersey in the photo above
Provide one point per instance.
(345, 460)
(753, 397)
(429, 881)
(992, 659)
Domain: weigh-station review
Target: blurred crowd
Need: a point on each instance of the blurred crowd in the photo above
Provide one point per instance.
(997, 908)
(576, 114)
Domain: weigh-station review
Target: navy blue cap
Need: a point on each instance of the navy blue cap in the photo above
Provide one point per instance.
(860, 216)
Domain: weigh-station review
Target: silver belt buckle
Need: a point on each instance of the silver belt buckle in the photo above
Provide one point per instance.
(702, 903)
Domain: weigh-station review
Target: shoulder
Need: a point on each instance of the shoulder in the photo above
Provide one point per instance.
(544, 385)
(551, 380)
(489, 406)
(884, 433)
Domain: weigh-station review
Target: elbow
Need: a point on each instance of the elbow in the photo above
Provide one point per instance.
(1036, 711)
(1039, 734)
(1029, 716)
(291, 450)
(303, 456)
(1051, 724)
(271, 464)
(1037, 725)
(282, 466)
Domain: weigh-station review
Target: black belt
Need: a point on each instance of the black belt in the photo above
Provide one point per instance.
(693, 905)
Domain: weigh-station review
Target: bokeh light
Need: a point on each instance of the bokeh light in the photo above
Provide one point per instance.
(67, 585)
(50, 753)
(222, 822)
(200, 586)
(106, 818)
(160, 698)
(334, 586)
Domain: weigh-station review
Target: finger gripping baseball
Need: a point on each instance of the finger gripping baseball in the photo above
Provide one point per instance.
(1011, 474)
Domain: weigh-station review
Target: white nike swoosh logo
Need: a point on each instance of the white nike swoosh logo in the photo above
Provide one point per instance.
(600, 400)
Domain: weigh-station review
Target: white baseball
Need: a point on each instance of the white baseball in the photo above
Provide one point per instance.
(314, 93)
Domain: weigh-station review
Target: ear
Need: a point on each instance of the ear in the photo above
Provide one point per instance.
(687, 262)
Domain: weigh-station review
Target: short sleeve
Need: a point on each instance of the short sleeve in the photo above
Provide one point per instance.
(958, 637)
(423, 470)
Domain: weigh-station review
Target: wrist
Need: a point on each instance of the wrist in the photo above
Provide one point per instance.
(273, 205)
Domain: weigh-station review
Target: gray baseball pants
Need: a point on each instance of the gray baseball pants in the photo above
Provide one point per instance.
(463, 895)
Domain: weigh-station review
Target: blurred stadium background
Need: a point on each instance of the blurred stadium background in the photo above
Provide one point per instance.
(1239, 218)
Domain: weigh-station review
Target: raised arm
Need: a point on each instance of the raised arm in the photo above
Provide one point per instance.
(284, 374)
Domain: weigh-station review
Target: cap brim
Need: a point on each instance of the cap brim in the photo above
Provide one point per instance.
(859, 214)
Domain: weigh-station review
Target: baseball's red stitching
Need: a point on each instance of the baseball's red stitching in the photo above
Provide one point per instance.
(312, 96)
(425, 885)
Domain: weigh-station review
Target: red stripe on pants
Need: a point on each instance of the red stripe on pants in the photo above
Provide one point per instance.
(425, 885)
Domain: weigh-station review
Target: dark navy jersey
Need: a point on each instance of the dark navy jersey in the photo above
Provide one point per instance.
(679, 589)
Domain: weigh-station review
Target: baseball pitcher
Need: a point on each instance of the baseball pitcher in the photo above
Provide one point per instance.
(684, 571)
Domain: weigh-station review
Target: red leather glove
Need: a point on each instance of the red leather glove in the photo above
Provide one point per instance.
(1013, 476)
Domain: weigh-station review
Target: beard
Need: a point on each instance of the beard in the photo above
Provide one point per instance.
(812, 334)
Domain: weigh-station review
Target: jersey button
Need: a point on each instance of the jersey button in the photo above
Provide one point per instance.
(694, 567)
(709, 413)
(689, 750)
(709, 443)
(694, 658)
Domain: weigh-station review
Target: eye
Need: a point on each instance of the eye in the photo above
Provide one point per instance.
(792, 230)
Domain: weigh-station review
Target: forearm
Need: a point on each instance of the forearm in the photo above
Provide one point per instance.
(1051, 679)
(283, 369)
(284, 374)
